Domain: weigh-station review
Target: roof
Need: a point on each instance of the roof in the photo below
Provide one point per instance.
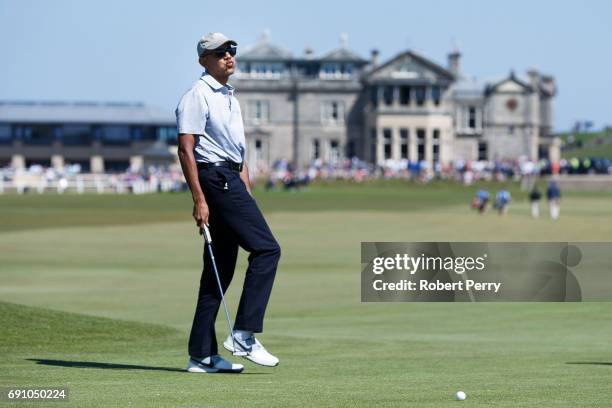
(491, 87)
(84, 112)
(342, 54)
(468, 88)
(264, 51)
(420, 59)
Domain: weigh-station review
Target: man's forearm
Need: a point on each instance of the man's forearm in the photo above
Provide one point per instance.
(190, 170)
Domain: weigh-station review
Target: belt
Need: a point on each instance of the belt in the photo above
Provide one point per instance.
(232, 165)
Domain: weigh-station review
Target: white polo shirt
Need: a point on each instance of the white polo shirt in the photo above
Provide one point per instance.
(210, 111)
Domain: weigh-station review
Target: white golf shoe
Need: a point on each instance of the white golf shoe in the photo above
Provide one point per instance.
(214, 364)
(250, 348)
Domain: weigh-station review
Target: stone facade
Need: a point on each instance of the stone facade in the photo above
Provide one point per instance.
(409, 108)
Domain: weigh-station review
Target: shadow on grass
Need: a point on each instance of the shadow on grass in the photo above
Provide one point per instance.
(591, 363)
(111, 366)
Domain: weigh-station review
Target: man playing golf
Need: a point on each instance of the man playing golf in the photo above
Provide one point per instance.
(211, 152)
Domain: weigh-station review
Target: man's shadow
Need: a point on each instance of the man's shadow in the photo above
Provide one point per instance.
(110, 366)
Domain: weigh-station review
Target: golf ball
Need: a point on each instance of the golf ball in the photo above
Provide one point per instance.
(460, 395)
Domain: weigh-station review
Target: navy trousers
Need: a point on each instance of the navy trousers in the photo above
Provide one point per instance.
(234, 220)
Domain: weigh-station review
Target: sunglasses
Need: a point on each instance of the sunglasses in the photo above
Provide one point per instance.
(220, 52)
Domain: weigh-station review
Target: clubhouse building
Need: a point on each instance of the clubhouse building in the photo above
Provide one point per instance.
(329, 107)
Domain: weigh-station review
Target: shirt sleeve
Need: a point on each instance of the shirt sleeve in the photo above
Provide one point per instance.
(191, 113)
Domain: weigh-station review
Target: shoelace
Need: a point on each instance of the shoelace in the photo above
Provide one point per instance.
(249, 341)
(252, 342)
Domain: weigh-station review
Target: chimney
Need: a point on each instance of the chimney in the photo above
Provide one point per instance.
(453, 63)
(309, 53)
(548, 83)
(534, 79)
(344, 41)
(374, 61)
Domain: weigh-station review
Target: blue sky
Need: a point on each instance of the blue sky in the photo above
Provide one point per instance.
(138, 50)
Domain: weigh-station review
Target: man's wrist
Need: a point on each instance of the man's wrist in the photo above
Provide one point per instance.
(199, 200)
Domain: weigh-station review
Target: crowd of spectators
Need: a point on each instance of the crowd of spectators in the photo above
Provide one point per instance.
(284, 175)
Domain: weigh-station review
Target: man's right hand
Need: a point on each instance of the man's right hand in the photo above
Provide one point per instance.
(200, 214)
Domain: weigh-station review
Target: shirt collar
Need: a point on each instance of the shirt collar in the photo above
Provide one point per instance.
(213, 83)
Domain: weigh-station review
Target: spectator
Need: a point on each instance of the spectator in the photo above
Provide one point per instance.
(534, 198)
(553, 193)
(502, 199)
(480, 201)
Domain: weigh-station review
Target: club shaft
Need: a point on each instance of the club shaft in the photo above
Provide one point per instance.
(214, 266)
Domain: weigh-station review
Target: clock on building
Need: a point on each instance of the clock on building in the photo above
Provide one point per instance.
(511, 104)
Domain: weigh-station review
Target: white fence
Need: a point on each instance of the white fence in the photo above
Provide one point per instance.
(90, 183)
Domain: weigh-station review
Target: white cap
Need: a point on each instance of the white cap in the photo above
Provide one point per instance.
(213, 41)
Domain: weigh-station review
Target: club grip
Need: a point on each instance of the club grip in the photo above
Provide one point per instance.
(206, 233)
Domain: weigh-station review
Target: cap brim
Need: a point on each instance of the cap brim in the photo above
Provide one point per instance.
(214, 46)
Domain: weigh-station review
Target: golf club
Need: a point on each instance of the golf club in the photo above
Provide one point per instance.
(208, 240)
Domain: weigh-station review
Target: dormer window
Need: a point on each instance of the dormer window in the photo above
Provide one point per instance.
(420, 95)
(336, 70)
(436, 94)
(264, 70)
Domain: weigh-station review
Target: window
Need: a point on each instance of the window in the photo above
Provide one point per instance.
(38, 134)
(420, 144)
(472, 117)
(404, 95)
(436, 145)
(404, 143)
(388, 95)
(76, 135)
(332, 112)
(259, 156)
(387, 143)
(258, 111)
(542, 152)
(144, 133)
(420, 95)
(115, 135)
(264, 69)
(168, 135)
(482, 151)
(6, 135)
(316, 149)
(436, 95)
(347, 69)
(330, 70)
(334, 70)
(334, 150)
(244, 68)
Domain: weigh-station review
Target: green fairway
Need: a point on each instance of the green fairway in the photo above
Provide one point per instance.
(98, 295)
